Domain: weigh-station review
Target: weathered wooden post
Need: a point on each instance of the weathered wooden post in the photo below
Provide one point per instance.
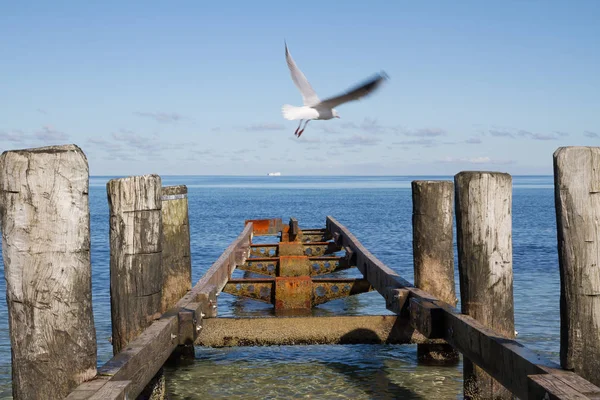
(484, 239)
(46, 252)
(433, 253)
(176, 260)
(176, 256)
(577, 197)
(135, 261)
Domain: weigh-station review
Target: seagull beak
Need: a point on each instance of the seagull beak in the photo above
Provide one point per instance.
(337, 116)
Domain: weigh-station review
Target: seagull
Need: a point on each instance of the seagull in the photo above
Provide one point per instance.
(314, 108)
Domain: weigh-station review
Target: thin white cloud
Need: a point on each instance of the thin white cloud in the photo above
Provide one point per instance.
(49, 134)
(359, 140)
(474, 160)
(266, 126)
(165, 117)
(368, 125)
(591, 134)
(16, 136)
(426, 132)
(503, 133)
(417, 142)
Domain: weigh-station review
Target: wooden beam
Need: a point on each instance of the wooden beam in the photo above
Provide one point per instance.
(427, 318)
(506, 360)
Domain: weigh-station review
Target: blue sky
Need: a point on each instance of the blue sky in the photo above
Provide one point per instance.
(197, 87)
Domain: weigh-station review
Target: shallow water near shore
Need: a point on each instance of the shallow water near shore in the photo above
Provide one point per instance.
(378, 211)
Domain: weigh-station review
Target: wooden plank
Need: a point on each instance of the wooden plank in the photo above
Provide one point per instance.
(506, 360)
(263, 331)
(46, 248)
(144, 356)
(115, 390)
(220, 271)
(560, 386)
(87, 389)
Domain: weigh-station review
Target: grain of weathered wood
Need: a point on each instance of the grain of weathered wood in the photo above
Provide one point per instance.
(176, 259)
(115, 390)
(484, 241)
(433, 253)
(46, 251)
(564, 386)
(577, 199)
(503, 358)
(136, 276)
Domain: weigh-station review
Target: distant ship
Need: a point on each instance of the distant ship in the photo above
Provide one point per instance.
(274, 174)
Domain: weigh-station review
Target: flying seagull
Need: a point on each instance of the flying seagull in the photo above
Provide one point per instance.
(314, 108)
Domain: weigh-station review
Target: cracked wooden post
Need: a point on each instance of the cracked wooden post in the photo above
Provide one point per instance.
(433, 253)
(577, 195)
(46, 252)
(135, 262)
(484, 239)
(176, 259)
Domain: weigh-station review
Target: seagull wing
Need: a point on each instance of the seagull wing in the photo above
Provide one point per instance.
(308, 94)
(357, 92)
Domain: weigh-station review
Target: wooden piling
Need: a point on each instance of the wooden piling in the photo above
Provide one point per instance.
(577, 198)
(46, 251)
(433, 253)
(484, 239)
(176, 260)
(135, 261)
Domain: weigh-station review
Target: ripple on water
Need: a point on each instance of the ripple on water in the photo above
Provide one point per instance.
(278, 372)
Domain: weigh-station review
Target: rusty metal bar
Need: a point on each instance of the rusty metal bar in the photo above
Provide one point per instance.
(252, 288)
(261, 265)
(287, 290)
(318, 265)
(325, 290)
(264, 250)
(311, 249)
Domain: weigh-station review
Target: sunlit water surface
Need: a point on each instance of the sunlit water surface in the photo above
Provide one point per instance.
(378, 211)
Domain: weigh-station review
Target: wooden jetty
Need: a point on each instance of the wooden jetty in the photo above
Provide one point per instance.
(157, 314)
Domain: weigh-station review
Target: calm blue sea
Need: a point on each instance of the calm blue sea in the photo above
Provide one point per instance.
(378, 211)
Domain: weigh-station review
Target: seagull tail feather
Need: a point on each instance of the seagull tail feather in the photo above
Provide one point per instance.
(291, 112)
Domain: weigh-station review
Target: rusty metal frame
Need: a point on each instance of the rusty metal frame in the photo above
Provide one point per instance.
(322, 289)
(318, 265)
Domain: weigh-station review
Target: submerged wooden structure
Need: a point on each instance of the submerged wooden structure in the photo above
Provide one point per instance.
(157, 314)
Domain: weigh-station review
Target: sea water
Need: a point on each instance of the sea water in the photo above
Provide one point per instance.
(377, 210)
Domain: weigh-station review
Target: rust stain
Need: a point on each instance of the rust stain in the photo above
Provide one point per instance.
(293, 293)
(270, 226)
